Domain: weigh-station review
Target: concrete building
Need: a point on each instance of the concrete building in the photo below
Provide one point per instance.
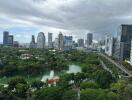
(80, 42)
(10, 40)
(60, 42)
(15, 44)
(55, 44)
(131, 54)
(5, 37)
(109, 45)
(50, 43)
(68, 42)
(89, 39)
(32, 43)
(123, 42)
(74, 45)
(41, 40)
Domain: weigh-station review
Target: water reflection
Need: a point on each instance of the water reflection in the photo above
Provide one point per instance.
(74, 69)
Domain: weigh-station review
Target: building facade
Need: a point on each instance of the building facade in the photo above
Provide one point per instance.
(68, 42)
(89, 39)
(80, 42)
(131, 54)
(109, 45)
(123, 42)
(5, 37)
(50, 43)
(55, 44)
(32, 43)
(41, 40)
(60, 42)
(10, 40)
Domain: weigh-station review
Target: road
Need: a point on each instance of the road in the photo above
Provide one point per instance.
(121, 67)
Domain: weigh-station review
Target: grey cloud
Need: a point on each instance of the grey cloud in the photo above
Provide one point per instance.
(99, 16)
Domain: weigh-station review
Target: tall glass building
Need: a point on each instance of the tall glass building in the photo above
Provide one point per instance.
(41, 40)
(123, 42)
(50, 43)
(60, 41)
(5, 37)
(89, 39)
(68, 42)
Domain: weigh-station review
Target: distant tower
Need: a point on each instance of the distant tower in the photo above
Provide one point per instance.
(68, 42)
(32, 43)
(89, 39)
(41, 40)
(5, 37)
(81, 42)
(60, 42)
(10, 40)
(56, 43)
(50, 43)
(33, 38)
(131, 53)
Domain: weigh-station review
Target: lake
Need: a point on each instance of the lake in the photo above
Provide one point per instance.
(72, 69)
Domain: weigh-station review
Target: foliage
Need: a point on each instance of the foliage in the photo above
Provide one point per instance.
(69, 95)
(50, 93)
(92, 85)
(98, 94)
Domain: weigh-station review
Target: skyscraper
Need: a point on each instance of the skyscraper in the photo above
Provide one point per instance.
(109, 45)
(89, 39)
(15, 44)
(56, 43)
(60, 42)
(123, 42)
(50, 43)
(32, 43)
(41, 40)
(68, 42)
(5, 37)
(81, 42)
(10, 40)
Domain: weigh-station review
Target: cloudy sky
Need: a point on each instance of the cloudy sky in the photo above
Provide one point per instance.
(22, 18)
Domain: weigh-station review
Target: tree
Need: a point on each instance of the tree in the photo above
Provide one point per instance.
(112, 96)
(92, 94)
(104, 78)
(21, 90)
(37, 84)
(69, 95)
(92, 85)
(14, 81)
(98, 94)
(123, 89)
(49, 93)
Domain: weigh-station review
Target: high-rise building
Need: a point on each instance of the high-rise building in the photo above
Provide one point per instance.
(32, 43)
(41, 40)
(123, 42)
(74, 45)
(80, 42)
(89, 39)
(56, 43)
(68, 42)
(10, 40)
(131, 54)
(5, 37)
(50, 43)
(60, 42)
(109, 45)
(15, 44)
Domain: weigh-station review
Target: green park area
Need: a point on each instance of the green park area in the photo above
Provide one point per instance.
(81, 76)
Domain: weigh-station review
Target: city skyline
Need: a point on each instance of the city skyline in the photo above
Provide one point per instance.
(99, 17)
